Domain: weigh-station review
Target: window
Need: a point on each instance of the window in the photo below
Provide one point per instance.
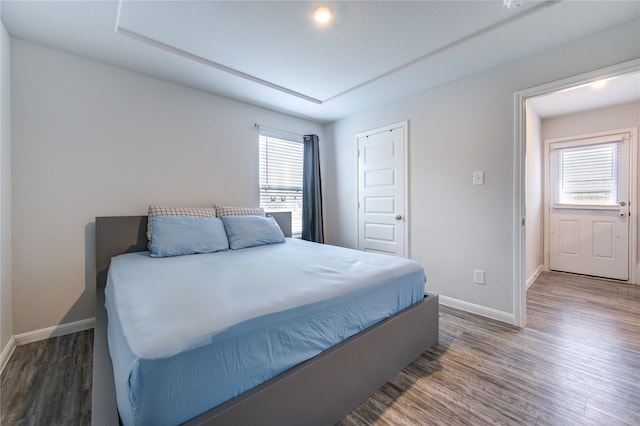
(281, 178)
(587, 174)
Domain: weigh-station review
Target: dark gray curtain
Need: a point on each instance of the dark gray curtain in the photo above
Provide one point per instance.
(312, 229)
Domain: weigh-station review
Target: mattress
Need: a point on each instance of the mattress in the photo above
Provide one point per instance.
(188, 333)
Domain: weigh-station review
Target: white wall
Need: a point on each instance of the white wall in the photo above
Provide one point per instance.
(94, 140)
(467, 125)
(598, 120)
(6, 311)
(534, 242)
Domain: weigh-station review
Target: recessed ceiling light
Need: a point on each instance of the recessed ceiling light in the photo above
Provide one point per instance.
(599, 84)
(513, 4)
(322, 14)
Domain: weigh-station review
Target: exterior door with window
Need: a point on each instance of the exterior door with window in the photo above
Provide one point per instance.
(381, 190)
(589, 205)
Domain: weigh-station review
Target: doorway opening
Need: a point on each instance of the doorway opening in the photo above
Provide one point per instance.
(527, 225)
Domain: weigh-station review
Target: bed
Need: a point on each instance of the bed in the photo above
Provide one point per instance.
(319, 390)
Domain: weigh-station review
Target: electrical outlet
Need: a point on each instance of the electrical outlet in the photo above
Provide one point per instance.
(478, 276)
(478, 178)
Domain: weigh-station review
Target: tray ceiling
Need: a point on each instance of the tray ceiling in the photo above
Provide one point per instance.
(271, 54)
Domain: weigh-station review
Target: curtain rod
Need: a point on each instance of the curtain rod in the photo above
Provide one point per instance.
(259, 126)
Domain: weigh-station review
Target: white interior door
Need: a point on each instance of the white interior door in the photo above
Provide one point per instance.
(382, 218)
(589, 206)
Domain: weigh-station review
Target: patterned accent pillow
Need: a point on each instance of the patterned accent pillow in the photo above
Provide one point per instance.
(238, 211)
(155, 210)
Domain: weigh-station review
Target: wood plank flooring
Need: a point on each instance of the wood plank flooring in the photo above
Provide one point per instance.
(576, 363)
(49, 382)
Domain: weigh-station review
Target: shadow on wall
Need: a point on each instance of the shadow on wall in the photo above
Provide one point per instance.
(89, 262)
(70, 322)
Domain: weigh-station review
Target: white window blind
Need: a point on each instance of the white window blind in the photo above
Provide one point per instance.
(281, 163)
(586, 175)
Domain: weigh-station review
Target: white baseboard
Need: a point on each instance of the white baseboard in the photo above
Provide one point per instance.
(534, 276)
(56, 330)
(509, 318)
(7, 352)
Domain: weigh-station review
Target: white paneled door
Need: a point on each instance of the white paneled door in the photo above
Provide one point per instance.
(589, 206)
(381, 190)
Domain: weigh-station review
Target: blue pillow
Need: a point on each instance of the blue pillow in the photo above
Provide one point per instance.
(178, 235)
(252, 231)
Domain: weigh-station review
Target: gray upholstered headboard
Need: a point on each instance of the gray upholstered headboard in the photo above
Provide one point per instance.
(284, 220)
(116, 235)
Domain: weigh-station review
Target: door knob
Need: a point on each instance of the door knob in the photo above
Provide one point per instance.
(399, 217)
(622, 203)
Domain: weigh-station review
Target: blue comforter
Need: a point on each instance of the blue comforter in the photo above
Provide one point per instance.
(188, 333)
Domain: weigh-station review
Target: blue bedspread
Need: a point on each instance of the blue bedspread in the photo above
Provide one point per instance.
(190, 332)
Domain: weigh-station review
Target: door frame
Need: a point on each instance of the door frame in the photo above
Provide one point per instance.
(633, 191)
(406, 216)
(519, 172)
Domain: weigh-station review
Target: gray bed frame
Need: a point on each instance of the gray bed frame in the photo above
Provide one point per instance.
(320, 391)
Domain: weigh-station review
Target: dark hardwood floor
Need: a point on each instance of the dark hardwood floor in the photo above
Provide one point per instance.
(49, 382)
(576, 363)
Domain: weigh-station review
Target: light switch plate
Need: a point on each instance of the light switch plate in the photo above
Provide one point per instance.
(478, 178)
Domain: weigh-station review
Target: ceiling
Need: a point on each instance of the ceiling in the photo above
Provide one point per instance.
(271, 54)
(602, 93)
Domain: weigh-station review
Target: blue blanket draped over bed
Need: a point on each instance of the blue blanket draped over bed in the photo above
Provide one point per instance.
(188, 333)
